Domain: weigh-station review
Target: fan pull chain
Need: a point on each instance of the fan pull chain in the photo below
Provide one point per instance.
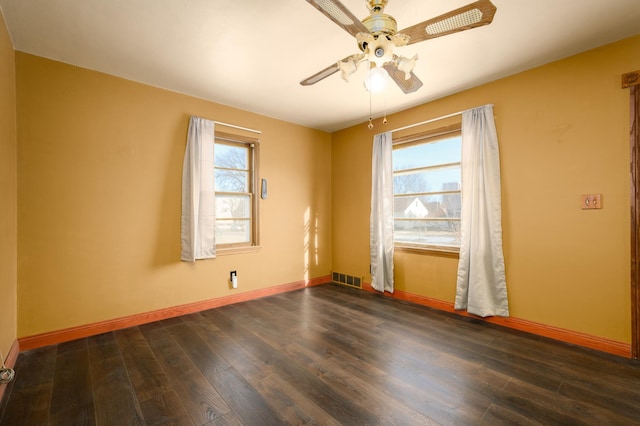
(384, 99)
(370, 125)
(384, 120)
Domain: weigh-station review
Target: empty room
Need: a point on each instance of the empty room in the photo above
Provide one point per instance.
(319, 212)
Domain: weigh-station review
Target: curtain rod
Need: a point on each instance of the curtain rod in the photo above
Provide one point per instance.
(427, 121)
(238, 127)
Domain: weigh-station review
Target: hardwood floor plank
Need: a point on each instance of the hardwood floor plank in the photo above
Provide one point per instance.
(615, 404)
(497, 415)
(574, 367)
(488, 355)
(385, 406)
(550, 408)
(237, 392)
(280, 340)
(343, 410)
(146, 374)
(28, 400)
(290, 406)
(411, 370)
(256, 369)
(165, 409)
(573, 364)
(293, 407)
(72, 398)
(201, 401)
(114, 396)
(226, 346)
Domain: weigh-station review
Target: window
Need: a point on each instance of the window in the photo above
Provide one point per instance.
(426, 188)
(236, 171)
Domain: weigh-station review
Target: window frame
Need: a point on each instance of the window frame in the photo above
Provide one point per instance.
(253, 145)
(428, 136)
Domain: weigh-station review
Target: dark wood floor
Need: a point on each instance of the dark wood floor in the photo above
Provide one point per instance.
(324, 355)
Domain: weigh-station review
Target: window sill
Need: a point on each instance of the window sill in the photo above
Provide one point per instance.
(225, 251)
(451, 252)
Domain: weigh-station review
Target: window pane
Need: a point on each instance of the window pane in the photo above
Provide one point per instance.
(232, 181)
(445, 179)
(233, 206)
(233, 231)
(438, 233)
(231, 156)
(427, 206)
(426, 186)
(427, 154)
(235, 168)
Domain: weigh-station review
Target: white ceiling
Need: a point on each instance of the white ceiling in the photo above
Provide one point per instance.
(252, 54)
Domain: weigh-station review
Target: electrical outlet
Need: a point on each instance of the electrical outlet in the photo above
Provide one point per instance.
(233, 277)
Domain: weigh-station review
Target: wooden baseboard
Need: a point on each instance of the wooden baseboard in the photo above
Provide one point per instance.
(556, 333)
(73, 333)
(12, 356)
(10, 362)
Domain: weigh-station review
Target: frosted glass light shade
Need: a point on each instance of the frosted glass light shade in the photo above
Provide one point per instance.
(376, 80)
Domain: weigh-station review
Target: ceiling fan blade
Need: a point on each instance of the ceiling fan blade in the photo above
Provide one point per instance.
(321, 75)
(347, 65)
(339, 14)
(407, 85)
(467, 17)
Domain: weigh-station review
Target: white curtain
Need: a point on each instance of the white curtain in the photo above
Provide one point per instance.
(198, 192)
(381, 222)
(481, 285)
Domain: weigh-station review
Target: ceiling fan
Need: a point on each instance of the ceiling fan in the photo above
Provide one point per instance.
(377, 36)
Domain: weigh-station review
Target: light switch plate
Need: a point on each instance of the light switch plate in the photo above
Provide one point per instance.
(591, 201)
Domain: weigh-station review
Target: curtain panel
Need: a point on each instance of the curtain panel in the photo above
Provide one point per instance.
(381, 221)
(198, 193)
(481, 284)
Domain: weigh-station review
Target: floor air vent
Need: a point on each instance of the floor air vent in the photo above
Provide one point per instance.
(345, 279)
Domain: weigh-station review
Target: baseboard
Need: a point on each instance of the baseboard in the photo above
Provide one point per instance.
(556, 333)
(73, 333)
(10, 362)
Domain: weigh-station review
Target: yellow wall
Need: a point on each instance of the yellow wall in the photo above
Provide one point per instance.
(563, 131)
(100, 166)
(8, 194)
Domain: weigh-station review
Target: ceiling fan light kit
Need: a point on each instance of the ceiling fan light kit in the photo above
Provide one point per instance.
(377, 37)
(376, 80)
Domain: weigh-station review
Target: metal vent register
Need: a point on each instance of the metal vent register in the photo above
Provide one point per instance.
(345, 279)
